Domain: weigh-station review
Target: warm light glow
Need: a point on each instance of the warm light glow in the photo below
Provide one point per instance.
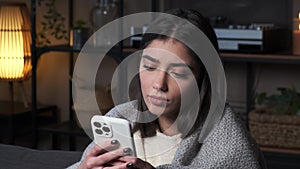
(15, 42)
(299, 21)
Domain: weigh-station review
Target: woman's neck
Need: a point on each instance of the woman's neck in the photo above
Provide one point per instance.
(167, 126)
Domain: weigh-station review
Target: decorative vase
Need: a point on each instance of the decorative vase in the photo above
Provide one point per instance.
(104, 12)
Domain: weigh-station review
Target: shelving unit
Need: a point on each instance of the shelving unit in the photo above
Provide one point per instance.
(275, 158)
(249, 59)
(60, 128)
(69, 127)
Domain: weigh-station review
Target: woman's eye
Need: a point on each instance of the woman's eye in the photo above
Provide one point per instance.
(149, 67)
(179, 75)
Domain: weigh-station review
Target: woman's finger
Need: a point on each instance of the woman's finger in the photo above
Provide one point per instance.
(110, 156)
(134, 163)
(116, 163)
(104, 147)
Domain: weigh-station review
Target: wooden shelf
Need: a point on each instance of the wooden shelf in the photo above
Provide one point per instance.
(280, 150)
(65, 128)
(277, 57)
(16, 119)
(281, 57)
(279, 158)
(9, 108)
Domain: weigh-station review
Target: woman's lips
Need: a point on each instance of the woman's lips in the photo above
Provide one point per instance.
(158, 101)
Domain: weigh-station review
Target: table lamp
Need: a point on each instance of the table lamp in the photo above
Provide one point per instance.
(15, 41)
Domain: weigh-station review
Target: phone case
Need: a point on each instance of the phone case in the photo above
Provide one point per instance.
(111, 128)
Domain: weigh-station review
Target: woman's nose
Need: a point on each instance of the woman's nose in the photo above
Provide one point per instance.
(160, 81)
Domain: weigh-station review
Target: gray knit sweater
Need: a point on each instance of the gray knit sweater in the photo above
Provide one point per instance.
(229, 145)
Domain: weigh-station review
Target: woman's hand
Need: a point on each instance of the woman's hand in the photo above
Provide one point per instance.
(103, 156)
(126, 162)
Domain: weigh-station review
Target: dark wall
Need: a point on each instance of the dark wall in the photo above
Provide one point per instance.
(278, 12)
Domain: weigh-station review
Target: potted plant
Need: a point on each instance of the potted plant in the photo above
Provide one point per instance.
(286, 102)
(78, 34)
(53, 27)
(52, 24)
(276, 122)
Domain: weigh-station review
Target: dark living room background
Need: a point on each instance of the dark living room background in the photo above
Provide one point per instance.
(53, 67)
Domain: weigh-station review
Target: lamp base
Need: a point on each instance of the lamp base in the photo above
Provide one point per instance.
(23, 93)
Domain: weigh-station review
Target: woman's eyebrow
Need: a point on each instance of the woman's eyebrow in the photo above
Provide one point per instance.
(181, 65)
(172, 64)
(150, 58)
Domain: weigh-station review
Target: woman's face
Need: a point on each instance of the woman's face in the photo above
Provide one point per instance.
(166, 72)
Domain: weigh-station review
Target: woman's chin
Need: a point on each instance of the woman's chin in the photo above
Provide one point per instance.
(158, 111)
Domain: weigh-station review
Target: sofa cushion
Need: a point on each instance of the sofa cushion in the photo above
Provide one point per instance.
(16, 157)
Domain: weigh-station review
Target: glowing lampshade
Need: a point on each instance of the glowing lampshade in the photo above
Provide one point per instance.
(15, 40)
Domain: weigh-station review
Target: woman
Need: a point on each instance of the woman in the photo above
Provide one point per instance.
(166, 106)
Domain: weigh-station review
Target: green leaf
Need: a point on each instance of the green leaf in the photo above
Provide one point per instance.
(260, 98)
(287, 101)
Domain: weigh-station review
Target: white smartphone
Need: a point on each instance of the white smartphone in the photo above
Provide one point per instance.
(111, 128)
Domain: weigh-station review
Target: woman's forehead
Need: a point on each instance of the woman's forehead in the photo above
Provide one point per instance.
(170, 50)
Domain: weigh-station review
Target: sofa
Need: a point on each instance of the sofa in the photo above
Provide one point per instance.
(16, 157)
